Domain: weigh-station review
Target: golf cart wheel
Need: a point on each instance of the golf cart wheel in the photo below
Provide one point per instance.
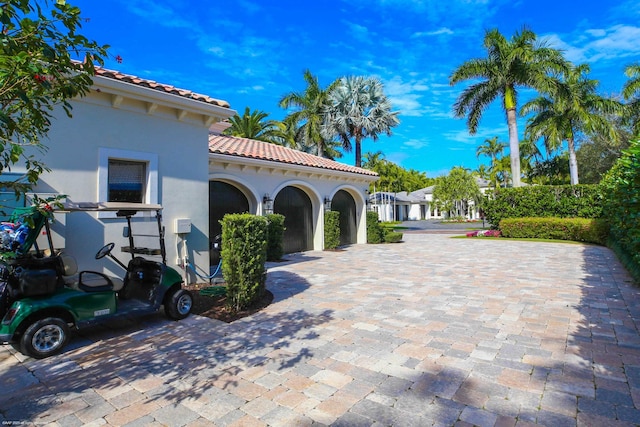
(178, 304)
(45, 338)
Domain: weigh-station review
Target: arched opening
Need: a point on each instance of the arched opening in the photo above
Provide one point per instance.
(224, 199)
(296, 207)
(343, 203)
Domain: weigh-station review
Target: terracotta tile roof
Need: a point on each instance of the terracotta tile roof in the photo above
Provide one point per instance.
(116, 75)
(243, 147)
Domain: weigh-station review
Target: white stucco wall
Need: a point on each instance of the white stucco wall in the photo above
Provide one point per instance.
(256, 178)
(176, 136)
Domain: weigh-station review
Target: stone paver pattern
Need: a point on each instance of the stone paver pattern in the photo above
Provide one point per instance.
(433, 331)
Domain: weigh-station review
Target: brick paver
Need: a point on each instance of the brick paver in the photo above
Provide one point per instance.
(432, 331)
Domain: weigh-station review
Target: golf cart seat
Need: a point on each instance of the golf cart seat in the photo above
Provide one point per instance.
(87, 281)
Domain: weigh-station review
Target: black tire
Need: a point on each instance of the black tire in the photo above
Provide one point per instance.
(178, 304)
(44, 338)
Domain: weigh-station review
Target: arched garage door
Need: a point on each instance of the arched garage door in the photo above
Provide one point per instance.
(295, 205)
(223, 199)
(344, 204)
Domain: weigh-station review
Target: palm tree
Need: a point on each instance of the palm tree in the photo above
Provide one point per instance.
(310, 106)
(631, 92)
(492, 149)
(573, 108)
(503, 166)
(529, 156)
(252, 124)
(371, 160)
(358, 108)
(482, 172)
(511, 64)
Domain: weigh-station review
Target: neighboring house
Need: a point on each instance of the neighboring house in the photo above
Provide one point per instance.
(259, 177)
(132, 139)
(137, 140)
(417, 205)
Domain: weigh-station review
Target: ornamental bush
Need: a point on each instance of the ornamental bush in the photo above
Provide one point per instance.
(331, 229)
(244, 252)
(393, 237)
(562, 201)
(576, 229)
(621, 186)
(375, 232)
(275, 235)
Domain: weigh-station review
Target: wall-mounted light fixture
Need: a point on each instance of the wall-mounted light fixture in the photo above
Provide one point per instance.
(267, 204)
(327, 204)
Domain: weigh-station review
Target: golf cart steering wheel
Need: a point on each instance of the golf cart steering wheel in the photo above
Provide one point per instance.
(105, 250)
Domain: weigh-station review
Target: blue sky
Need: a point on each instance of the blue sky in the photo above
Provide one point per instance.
(251, 52)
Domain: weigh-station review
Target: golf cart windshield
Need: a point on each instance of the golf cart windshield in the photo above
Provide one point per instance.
(125, 210)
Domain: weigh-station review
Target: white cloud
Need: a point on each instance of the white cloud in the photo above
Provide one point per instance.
(438, 32)
(618, 41)
(152, 11)
(416, 144)
(464, 137)
(358, 31)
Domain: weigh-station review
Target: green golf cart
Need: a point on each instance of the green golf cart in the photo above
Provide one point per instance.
(43, 295)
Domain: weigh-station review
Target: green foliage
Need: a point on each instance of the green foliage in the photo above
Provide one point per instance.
(375, 232)
(253, 125)
(551, 171)
(358, 109)
(621, 187)
(581, 201)
(510, 65)
(275, 235)
(588, 230)
(597, 153)
(331, 229)
(492, 148)
(39, 41)
(394, 178)
(307, 119)
(452, 193)
(574, 107)
(393, 237)
(244, 252)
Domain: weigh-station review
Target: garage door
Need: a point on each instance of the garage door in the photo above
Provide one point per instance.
(295, 205)
(344, 204)
(224, 198)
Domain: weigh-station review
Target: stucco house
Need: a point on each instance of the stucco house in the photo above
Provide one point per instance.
(417, 205)
(258, 177)
(135, 139)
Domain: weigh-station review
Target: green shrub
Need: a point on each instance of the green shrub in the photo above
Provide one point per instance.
(393, 237)
(621, 186)
(331, 229)
(244, 252)
(375, 233)
(275, 235)
(562, 201)
(577, 229)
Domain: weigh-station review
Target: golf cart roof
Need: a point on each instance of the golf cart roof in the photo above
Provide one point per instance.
(107, 207)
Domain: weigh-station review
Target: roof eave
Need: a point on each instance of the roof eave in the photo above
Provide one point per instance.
(274, 164)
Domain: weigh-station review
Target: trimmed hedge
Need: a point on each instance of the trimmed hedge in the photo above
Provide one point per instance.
(577, 229)
(621, 185)
(331, 229)
(275, 235)
(375, 232)
(244, 252)
(562, 201)
(393, 237)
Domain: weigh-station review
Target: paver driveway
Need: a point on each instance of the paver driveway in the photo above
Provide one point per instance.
(432, 331)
